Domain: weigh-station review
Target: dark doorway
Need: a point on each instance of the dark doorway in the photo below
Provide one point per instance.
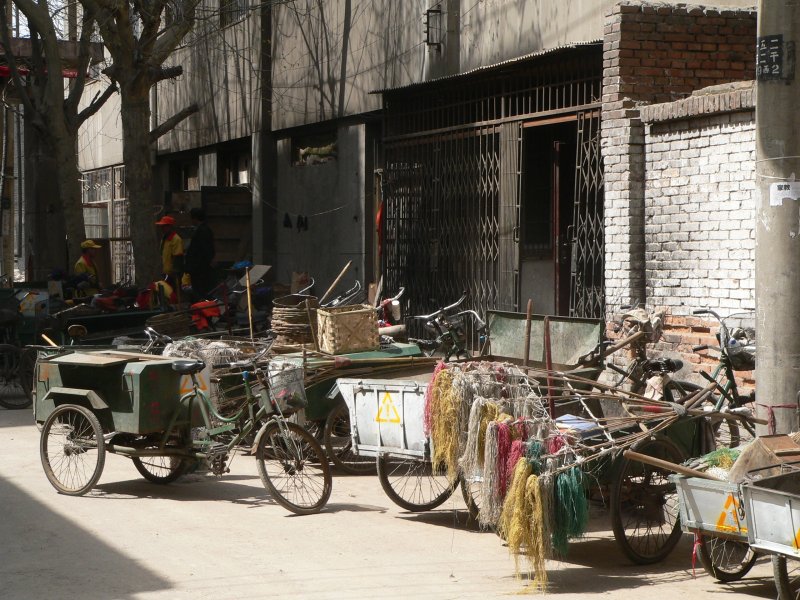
(548, 188)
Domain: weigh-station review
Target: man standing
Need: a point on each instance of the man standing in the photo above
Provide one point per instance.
(85, 270)
(200, 254)
(171, 248)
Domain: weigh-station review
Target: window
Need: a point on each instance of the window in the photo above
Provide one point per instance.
(232, 11)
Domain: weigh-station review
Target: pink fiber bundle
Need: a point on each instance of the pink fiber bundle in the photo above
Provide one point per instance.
(503, 452)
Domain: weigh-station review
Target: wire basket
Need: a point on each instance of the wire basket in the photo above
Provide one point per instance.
(737, 338)
(286, 387)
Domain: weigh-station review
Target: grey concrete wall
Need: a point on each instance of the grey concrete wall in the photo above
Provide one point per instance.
(100, 138)
(331, 196)
(221, 73)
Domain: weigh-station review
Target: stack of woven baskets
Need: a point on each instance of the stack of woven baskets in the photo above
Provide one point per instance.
(293, 317)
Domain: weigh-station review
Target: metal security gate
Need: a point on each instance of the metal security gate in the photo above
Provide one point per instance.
(587, 296)
(441, 219)
(452, 175)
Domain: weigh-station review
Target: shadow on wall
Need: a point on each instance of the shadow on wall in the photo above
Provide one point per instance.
(46, 556)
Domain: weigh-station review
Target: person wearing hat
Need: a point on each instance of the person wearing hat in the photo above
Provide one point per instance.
(171, 248)
(85, 270)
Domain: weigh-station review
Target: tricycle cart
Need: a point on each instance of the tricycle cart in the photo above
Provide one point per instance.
(735, 522)
(90, 403)
(388, 416)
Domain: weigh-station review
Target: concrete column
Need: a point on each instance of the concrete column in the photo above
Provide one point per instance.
(777, 210)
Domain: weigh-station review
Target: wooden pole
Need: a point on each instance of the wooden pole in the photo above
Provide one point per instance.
(548, 357)
(670, 466)
(335, 283)
(249, 302)
(311, 327)
(527, 353)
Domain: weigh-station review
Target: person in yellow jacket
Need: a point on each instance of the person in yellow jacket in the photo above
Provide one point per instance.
(85, 271)
(171, 248)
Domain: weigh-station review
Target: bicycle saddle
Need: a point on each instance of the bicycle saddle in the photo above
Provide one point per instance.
(187, 367)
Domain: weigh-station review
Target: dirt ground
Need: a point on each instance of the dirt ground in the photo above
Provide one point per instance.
(204, 537)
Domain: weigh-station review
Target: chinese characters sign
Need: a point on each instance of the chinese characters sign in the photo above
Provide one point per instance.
(769, 58)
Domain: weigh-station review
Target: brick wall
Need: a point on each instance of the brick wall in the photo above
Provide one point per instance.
(699, 215)
(655, 52)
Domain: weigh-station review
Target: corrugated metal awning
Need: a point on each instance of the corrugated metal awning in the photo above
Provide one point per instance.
(496, 66)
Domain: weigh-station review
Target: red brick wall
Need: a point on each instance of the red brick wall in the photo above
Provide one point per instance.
(662, 53)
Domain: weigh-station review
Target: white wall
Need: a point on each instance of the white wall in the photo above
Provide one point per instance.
(100, 138)
(700, 213)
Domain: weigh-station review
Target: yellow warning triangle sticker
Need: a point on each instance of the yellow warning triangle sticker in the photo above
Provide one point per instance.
(387, 413)
(728, 520)
(187, 385)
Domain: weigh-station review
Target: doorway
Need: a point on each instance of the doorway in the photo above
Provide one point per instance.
(546, 213)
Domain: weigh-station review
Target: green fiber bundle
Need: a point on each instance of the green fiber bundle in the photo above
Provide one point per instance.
(533, 454)
(571, 509)
(722, 457)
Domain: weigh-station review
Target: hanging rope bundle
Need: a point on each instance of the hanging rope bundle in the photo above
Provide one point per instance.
(492, 501)
(445, 407)
(571, 508)
(429, 392)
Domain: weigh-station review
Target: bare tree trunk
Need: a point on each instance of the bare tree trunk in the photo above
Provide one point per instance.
(135, 109)
(69, 186)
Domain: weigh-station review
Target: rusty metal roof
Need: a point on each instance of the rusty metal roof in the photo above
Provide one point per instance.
(510, 61)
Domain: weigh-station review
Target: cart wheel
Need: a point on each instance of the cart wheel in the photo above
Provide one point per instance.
(293, 468)
(725, 560)
(339, 443)
(160, 469)
(644, 504)
(12, 394)
(787, 577)
(411, 483)
(72, 449)
(471, 491)
(27, 371)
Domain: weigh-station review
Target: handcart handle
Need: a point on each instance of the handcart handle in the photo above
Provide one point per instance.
(664, 464)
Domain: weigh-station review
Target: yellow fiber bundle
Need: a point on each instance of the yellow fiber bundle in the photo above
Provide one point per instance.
(445, 433)
(535, 547)
(513, 523)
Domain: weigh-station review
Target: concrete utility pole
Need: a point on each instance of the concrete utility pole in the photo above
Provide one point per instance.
(777, 216)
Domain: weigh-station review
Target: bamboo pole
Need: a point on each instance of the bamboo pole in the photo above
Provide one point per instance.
(527, 353)
(335, 283)
(249, 302)
(664, 464)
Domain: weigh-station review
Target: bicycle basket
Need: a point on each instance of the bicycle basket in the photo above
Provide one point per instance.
(738, 341)
(286, 386)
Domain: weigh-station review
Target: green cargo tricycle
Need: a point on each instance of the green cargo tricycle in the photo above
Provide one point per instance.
(151, 409)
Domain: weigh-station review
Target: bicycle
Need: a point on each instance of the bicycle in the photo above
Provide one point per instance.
(292, 465)
(450, 332)
(736, 352)
(647, 376)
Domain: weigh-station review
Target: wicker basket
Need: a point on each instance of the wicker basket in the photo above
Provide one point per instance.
(347, 329)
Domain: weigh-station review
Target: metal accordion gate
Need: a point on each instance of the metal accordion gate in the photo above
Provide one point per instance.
(451, 178)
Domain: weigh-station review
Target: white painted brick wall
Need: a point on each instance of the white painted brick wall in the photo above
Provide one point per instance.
(700, 213)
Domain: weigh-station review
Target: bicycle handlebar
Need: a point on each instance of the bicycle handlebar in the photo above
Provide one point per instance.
(442, 311)
(707, 311)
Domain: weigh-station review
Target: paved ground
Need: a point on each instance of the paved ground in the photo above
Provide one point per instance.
(224, 539)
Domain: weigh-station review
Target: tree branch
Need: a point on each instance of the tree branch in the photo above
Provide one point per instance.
(96, 104)
(172, 122)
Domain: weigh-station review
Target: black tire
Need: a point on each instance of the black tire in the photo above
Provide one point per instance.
(644, 504)
(293, 467)
(787, 577)
(12, 394)
(725, 560)
(160, 469)
(72, 449)
(339, 443)
(471, 491)
(27, 371)
(411, 484)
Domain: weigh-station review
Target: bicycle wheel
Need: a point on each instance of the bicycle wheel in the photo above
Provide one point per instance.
(293, 468)
(471, 491)
(725, 560)
(726, 431)
(160, 469)
(411, 483)
(12, 395)
(339, 443)
(644, 504)
(27, 371)
(72, 449)
(787, 577)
